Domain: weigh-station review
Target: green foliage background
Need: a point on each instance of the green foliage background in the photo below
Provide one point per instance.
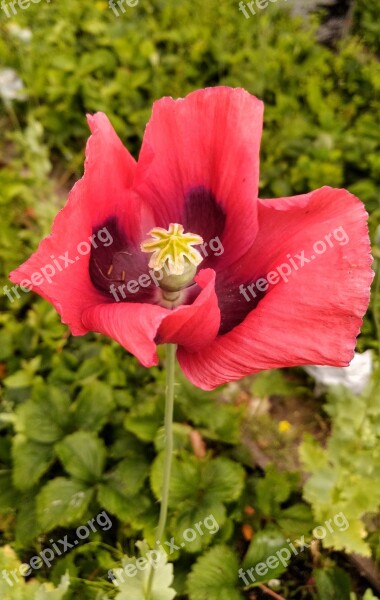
(78, 416)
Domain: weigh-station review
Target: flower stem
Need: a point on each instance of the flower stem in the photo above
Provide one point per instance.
(169, 408)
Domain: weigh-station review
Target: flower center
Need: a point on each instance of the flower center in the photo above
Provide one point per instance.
(173, 252)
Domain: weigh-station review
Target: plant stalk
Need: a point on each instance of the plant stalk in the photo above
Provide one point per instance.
(169, 409)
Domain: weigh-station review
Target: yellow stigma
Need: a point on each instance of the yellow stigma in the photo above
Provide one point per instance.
(173, 247)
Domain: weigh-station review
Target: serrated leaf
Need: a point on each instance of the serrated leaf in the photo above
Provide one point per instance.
(128, 476)
(312, 455)
(274, 489)
(118, 491)
(351, 535)
(342, 473)
(184, 480)
(181, 437)
(222, 479)
(213, 480)
(265, 544)
(83, 456)
(44, 419)
(201, 522)
(126, 509)
(145, 419)
(216, 420)
(133, 579)
(296, 520)
(30, 461)
(62, 502)
(215, 576)
(93, 405)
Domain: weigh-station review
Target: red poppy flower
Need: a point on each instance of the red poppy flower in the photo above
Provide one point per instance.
(281, 282)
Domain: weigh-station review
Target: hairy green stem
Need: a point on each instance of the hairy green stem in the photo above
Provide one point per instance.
(169, 408)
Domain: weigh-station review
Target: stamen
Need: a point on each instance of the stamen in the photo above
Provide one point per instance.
(172, 247)
(174, 257)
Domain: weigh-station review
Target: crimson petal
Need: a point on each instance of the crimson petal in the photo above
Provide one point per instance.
(140, 327)
(101, 194)
(314, 316)
(209, 140)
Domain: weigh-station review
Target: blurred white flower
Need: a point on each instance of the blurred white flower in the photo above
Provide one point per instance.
(11, 86)
(274, 584)
(355, 377)
(21, 33)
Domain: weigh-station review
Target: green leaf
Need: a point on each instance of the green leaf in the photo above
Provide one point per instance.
(83, 456)
(215, 419)
(222, 479)
(350, 533)
(20, 379)
(215, 576)
(131, 509)
(118, 491)
(275, 383)
(62, 502)
(145, 419)
(30, 461)
(27, 525)
(214, 480)
(202, 521)
(93, 405)
(184, 480)
(32, 590)
(181, 437)
(274, 489)
(45, 418)
(264, 546)
(8, 495)
(332, 584)
(369, 595)
(6, 345)
(90, 370)
(343, 471)
(312, 455)
(296, 520)
(10, 563)
(128, 476)
(133, 577)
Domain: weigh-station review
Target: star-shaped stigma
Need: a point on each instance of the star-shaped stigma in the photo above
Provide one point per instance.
(173, 247)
